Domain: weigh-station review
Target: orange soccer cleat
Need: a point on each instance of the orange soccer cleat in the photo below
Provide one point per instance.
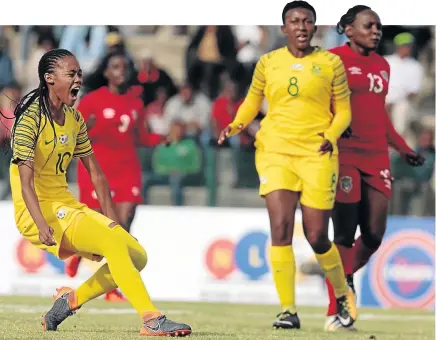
(115, 296)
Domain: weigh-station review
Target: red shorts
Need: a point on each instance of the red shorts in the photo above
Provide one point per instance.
(125, 186)
(350, 183)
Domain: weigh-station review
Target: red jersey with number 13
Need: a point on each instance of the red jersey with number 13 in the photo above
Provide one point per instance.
(368, 79)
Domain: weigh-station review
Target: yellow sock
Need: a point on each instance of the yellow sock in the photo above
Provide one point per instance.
(125, 258)
(283, 270)
(331, 264)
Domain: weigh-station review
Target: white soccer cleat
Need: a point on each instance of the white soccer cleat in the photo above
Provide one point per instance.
(332, 324)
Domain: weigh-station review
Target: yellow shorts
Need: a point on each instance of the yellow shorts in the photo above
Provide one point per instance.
(314, 176)
(59, 216)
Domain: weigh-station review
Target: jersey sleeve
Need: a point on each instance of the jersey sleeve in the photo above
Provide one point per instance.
(83, 144)
(253, 101)
(340, 101)
(25, 135)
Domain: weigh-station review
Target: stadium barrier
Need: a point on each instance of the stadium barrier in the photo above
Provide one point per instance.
(221, 255)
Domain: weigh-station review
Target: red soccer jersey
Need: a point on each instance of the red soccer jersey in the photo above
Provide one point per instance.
(112, 136)
(368, 79)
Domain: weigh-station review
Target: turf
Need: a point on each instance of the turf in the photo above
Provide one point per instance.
(20, 319)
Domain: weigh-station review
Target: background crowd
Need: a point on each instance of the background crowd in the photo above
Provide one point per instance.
(192, 80)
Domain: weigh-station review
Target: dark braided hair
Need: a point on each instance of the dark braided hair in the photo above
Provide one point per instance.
(297, 4)
(349, 17)
(47, 64)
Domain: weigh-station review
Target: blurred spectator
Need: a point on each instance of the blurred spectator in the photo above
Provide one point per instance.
(6, 65)
(9, 99)
(48, 33)
(87, 43)
(406, 80)
(154, 117)
(175, 163)
(415, 182)
(331, 38)
(151, 77)
(44, 44)
(212, 51)
(249, 38)
(190, 107)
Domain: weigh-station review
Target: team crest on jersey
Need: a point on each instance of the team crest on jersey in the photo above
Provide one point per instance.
(108, 113)
(297, 67)
(346, 183)
(63, 139)
(354, 70)
(385, 75)
(316, 70)
(61, 213)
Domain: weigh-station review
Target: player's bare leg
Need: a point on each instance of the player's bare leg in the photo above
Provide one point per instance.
(126, 212)
(373, 217)
(345, 218)
(281, 205)
(315, 225)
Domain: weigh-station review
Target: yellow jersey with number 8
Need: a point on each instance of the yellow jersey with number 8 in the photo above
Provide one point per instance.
(301, 95)
(34, 140)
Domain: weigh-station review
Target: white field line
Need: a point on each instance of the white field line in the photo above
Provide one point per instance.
(28, 309)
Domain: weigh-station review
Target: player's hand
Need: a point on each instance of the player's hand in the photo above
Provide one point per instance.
(414, 159)
(326, 146)
(226, 133)
(347, 133)
(46, 235)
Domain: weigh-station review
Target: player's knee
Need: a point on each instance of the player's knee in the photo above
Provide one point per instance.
(139, 257)
(319, 241)
(281, 231)
(372, 239)
(344, 239)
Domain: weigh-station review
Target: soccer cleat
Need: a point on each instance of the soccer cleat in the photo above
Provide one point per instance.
(347, 309)
(72, 265)
(286, 320)
(161, 326)
(64, 306)
(114, 296)
(332, 324)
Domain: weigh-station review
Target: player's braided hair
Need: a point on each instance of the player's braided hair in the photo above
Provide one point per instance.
(297, 4)
(47, 64)
(349, 17)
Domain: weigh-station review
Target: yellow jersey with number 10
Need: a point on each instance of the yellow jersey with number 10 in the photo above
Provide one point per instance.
(300, 93)
(51, 156)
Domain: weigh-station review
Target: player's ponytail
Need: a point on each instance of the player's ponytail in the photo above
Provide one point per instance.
(349, 17)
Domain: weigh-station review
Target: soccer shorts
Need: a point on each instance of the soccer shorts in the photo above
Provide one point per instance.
(314, 176)
(350, 182)
(59, 216)
(124, 187)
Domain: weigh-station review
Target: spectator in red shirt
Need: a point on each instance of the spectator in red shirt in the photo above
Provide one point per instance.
(154, 118)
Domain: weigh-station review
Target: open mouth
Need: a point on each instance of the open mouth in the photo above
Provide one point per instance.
(302, 38)
(75, 92)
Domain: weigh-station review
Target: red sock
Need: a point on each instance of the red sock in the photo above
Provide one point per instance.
(332, 299)
(362, 254)
(347, 258)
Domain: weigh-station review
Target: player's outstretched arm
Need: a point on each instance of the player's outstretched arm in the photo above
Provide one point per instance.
(101, 186)
(340, 102)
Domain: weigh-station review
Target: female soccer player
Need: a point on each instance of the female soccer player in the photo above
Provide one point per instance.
(47, 133)
(296, 156)
(110, 112)
(364, 185)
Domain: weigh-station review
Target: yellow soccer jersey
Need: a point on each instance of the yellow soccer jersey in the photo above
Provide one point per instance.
(302, 94)
(51, 156)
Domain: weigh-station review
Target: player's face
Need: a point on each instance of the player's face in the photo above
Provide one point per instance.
(116, 71)
(366, 30)
(66, 80)
(299, 27)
